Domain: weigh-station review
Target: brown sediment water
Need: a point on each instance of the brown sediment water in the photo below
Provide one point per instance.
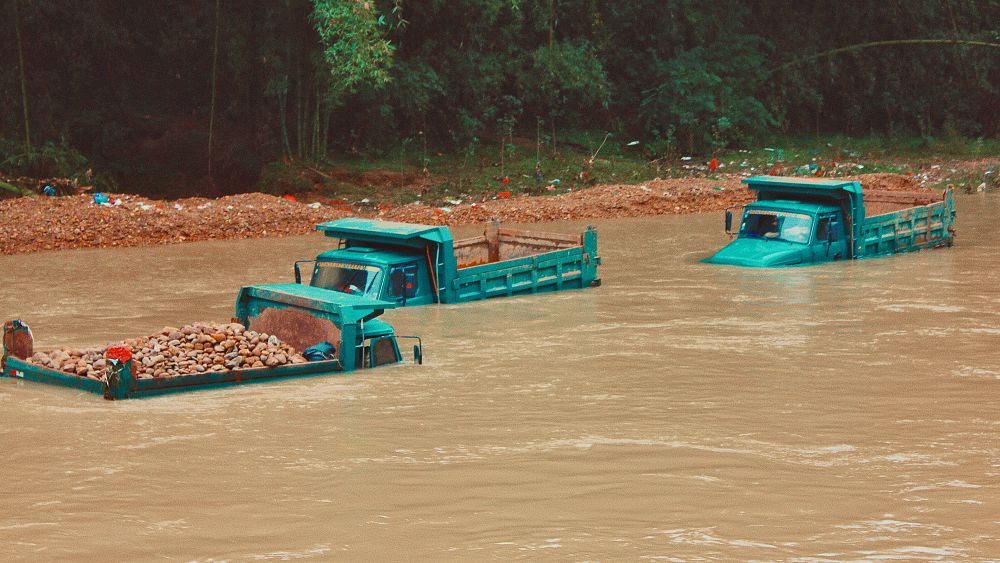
(680, 411)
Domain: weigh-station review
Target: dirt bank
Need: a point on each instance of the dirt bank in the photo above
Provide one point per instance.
(31, 224)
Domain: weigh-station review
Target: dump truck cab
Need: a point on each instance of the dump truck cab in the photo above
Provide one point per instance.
(784, 233)
(305, 316)
(381, 261)
(378, 274)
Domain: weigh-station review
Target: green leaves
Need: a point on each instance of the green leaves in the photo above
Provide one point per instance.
(566, 76)
(696, 96)
(353, 45)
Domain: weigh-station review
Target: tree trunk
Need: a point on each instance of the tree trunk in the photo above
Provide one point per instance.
(552, 120)
(325, 139)
(299, 137)
(316, 121)
(215, 67)
(283, 120)
(24, 84)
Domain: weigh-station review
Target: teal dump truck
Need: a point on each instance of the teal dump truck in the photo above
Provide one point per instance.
(407, 264)
(345, 328)
(798, 221)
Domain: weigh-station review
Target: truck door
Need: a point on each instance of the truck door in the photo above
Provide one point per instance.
(828, 243)
(403, 282)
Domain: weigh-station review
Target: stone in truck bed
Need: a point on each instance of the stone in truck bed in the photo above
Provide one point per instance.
(173, 352)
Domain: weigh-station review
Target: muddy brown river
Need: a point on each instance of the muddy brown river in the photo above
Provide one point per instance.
(681, 411)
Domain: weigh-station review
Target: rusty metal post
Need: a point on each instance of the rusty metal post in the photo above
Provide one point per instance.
(17, 340)
(493, 240)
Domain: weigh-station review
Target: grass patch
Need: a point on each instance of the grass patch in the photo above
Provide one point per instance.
(518, 165)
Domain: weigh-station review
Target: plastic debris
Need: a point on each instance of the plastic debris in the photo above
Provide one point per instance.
(320, 352)
(632, 144)
(100, 198)
(685, 158)
(504, 194)
(713, 164)
(118, 353)
(289, 197)
(48, 190)
(315, 205)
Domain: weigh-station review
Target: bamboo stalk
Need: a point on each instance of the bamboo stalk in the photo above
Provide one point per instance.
(24, 85)
(860, 46)
(215, 66)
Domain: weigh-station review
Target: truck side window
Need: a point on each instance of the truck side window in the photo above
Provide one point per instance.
(396, 282)
(403, 281)
(823, 229)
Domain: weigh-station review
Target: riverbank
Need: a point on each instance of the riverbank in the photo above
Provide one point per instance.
(33, 224)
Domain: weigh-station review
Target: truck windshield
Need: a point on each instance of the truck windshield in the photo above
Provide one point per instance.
(345, 278)
(762, 223)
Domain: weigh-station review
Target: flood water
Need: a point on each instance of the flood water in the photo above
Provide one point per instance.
(682, 411)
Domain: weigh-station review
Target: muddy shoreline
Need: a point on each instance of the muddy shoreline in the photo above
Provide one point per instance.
(34, 224)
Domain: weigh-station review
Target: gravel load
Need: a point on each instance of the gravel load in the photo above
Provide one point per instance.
(173, 352)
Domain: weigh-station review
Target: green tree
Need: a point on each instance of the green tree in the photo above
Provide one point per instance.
(353, 45)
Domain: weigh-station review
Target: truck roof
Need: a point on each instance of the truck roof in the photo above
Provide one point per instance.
(368, 229)
(785, 182)
(343, 306)
(792, 205)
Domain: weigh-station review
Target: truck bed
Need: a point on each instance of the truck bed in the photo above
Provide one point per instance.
(882, 202)
(509, 244)
(898, 222)
(136, 388)
(506, 262)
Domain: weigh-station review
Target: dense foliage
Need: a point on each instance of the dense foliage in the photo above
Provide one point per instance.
(133, 87)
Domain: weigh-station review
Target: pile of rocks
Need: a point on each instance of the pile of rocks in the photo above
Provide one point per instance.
(85, 363)
(55, 223)
(172, 352)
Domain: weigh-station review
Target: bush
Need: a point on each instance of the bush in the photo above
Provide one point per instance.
(50, 160)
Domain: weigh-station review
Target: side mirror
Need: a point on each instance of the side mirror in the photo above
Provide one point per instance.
(729, 220)
(418, 354)
(298, 269)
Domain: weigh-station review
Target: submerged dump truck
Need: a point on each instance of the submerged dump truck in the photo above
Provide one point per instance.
(798, 221)
(407, 264)
(336, 332)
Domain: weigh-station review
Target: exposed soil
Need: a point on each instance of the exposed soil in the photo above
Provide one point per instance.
(31, 224)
